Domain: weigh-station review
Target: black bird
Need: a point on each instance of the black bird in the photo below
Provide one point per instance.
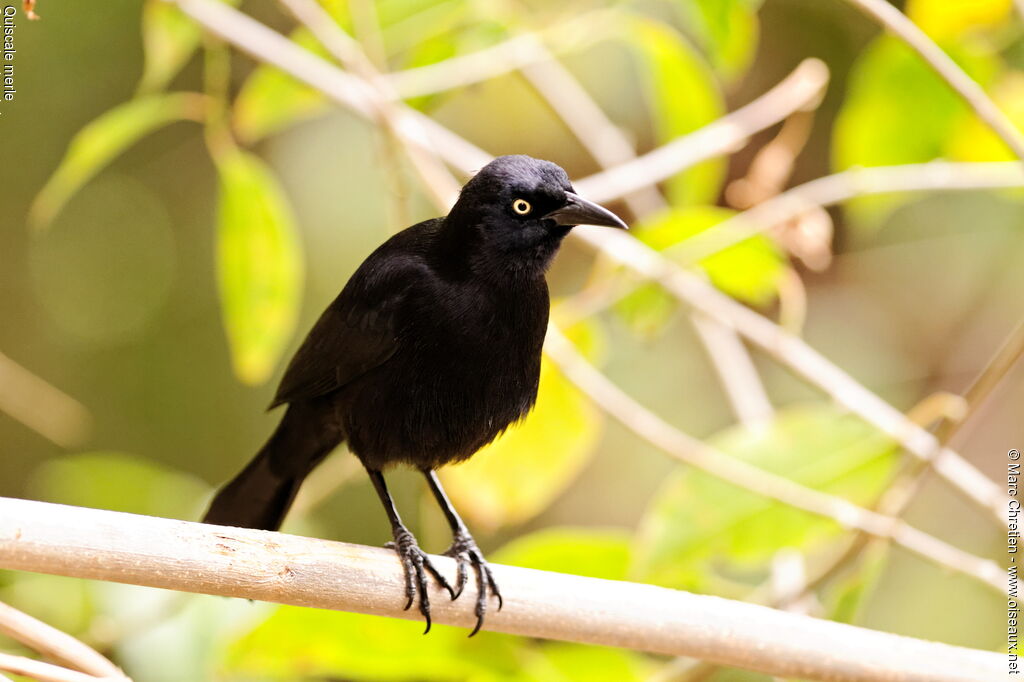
(431, 350)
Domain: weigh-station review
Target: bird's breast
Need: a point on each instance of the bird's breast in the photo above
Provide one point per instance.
(460, 378)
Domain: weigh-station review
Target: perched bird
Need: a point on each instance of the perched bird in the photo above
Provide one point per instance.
(431, 350)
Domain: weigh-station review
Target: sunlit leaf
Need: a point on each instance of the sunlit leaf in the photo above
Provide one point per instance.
(518, 475)
(750, 270)
(95, 145)
(683, 96)
(944, 20)
(168, 39)
(121, 482)
(596, 553)
(699, 528)
(259, 265)
(297, 643)
(565, 662)
(897, 110)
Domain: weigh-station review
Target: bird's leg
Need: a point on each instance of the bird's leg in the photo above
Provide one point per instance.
(415, 561)
(465, 552)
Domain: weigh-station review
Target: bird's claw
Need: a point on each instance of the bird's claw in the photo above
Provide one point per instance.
(416, 564)
(466, 553)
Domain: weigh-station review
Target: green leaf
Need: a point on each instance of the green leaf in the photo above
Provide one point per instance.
(897, 111)
(596, 553)
(100, 141)
(683, 97)
(565, 662)
(700, 532)
(120, 482)
(750, 270)
(296, 643)
(519, 474)
(259, 265)
(271, 100)
(168, 40)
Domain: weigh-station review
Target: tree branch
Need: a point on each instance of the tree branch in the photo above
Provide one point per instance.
(55, 645)
(798, 90)
(254, 564)
(845, 185)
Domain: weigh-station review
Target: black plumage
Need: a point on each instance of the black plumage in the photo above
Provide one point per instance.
(431, 350)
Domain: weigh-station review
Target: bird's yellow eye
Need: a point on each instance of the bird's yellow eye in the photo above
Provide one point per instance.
(521, 206)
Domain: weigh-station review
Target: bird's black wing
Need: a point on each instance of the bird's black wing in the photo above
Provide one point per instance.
(359, 330)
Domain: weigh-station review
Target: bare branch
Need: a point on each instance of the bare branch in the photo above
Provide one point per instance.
(800, 89)
(834, 189)
(56, 645)
(255, 564)
(747, 394)
(42, 407)
(653, 429)
(940, 62)
(46, 672)
(515, 53)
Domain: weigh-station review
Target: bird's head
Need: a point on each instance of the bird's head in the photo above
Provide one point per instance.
(517, 210)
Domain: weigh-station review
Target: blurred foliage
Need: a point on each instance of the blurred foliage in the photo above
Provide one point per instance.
(177, 270)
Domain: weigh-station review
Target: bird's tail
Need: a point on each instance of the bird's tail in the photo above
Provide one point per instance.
(259, 496)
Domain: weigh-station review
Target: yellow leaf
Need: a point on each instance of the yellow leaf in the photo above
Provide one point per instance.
(947, 19)
(518, 475)
(259, 264)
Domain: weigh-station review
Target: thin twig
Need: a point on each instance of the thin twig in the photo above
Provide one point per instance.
(46, 672)
(502, 58)
(255, 564)
(56, 645)
(798, 90)
(839, 187)
(40, 406)
(694, 452)
(973, 94)
(731, 359)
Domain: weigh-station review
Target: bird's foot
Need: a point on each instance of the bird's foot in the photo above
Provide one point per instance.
(416, 564)
(466, 553)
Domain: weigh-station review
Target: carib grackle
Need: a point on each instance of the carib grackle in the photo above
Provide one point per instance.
(431, 350)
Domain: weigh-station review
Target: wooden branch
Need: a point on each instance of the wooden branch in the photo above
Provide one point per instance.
(254, 564)
(948, 176)
(46, 672)
(55, 645)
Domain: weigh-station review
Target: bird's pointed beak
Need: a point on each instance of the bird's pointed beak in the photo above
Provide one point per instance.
(579, 211)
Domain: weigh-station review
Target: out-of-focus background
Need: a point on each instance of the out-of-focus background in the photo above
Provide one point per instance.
(152, 292)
